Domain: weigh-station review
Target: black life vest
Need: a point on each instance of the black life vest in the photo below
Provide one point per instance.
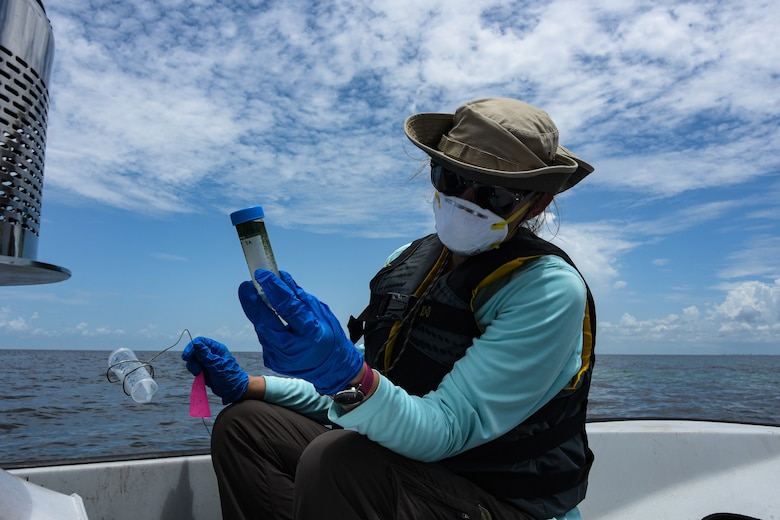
(415, 332)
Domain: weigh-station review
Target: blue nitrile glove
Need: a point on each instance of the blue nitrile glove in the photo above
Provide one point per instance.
(220, 369)
(312, 346)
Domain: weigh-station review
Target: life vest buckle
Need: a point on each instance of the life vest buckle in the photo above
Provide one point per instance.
(394, 306)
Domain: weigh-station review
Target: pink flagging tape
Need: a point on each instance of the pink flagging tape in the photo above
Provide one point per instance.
(199, 401)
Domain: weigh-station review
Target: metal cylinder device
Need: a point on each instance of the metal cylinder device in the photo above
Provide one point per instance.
(26, 57)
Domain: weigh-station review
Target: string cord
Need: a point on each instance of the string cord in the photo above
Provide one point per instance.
(148, 365)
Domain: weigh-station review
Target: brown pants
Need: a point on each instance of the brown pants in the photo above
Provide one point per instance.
(276, 464)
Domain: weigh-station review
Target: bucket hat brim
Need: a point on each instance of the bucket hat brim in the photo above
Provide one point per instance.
(426, 130)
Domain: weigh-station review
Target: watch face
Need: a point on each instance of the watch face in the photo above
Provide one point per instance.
(349, 396)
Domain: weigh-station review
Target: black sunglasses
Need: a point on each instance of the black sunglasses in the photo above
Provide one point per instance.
(494, 198)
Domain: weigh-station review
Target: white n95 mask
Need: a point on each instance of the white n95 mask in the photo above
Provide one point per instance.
(466, 228)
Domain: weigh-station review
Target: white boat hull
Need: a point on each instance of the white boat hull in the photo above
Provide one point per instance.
(682, 470)
(643, 470)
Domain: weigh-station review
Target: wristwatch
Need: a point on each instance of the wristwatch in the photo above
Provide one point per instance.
(356, 392)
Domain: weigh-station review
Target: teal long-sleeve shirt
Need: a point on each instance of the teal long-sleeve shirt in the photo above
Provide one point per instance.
(530, 349)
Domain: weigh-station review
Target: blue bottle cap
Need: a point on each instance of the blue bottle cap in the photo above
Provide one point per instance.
(246, 214)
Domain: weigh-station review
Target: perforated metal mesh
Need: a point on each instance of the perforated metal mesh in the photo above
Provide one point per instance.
(25, 102)
(26, 56)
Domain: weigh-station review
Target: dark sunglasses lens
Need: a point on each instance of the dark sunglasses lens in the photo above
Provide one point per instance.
(498, 200)
(446, 182)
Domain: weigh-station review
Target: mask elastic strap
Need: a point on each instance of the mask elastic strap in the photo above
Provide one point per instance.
(528, 201)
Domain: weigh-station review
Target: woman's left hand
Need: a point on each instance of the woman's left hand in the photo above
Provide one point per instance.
(222, 372)
(312, 346)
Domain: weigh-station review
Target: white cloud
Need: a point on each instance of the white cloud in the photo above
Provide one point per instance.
(596, 248)
(170, 106)
(691, 313)
(757, 258)
(680, 219)
(749, 311)
(751, 305)
(79, 331)
(27, 326)
(15, 324)
(153, 108)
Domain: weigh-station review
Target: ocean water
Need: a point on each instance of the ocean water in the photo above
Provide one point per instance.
(57, 405)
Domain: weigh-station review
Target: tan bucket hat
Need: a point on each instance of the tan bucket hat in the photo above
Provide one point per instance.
(499, 141)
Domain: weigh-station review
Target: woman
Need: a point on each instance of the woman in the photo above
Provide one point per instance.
(469, 399)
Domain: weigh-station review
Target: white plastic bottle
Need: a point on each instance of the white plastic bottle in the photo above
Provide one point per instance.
(135, 378)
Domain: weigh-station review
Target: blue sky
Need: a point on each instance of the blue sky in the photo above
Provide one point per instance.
(167, 115)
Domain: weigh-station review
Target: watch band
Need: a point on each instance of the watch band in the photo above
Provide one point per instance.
(368, 379)
(355, 393)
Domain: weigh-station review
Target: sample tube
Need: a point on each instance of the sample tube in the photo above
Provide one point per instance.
(250, 227)
(135, 378)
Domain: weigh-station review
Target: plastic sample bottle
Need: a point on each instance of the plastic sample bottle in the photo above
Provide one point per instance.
(250, 227)
(135, 378)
